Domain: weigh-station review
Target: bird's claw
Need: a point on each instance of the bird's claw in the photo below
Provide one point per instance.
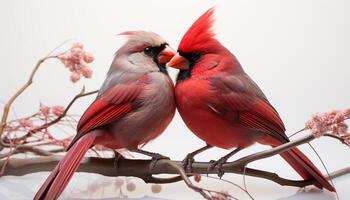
(187, 163)
(155, 158)
(217, 164)
(117, 158)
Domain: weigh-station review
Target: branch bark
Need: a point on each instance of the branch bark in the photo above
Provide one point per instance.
(136, 168)
(47, 125)
(140, 168)
(8, 104)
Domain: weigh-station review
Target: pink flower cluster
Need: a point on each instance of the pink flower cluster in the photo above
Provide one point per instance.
(57, 110)
(26, 123)
(330, 122)
(76, 60)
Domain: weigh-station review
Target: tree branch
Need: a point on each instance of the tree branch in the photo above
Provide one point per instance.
(8, 104)
(140, 168)
(47, 125)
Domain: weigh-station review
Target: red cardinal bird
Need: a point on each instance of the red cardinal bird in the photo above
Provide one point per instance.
(135, 104)
(223, 106)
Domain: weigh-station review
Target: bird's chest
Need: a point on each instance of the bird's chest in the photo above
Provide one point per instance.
(195, 102)
(192, 94)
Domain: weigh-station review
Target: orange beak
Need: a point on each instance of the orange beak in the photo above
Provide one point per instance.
(179, 62)
(166, 55)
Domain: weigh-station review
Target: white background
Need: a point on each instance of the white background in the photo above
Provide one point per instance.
(297, 51)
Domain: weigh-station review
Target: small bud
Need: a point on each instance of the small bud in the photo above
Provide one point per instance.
(86, 72)
(58, 110)
(118, 182)
(197, 178)
(78, 45)
(26, 123)
(131, 187)
(156, 188)
(45, 110)
(88, 57)
(74, 77)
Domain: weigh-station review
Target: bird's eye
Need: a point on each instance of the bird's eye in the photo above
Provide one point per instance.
(196, 56)
(147, 50)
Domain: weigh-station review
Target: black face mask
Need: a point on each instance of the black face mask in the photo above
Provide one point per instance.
(154, 52)
(192, 58)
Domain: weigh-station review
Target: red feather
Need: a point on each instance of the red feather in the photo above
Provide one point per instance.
(64, 170)
(110, 106)
(239, 94)
(200, 34)
(220, 92)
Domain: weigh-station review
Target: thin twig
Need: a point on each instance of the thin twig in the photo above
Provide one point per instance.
(47, 125)
(7, 105)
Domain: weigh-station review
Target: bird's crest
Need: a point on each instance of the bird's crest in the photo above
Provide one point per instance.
(146, 37)
(199, 34)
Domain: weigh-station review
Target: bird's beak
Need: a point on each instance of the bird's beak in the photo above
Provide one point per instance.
(179, 62)
(166, 55)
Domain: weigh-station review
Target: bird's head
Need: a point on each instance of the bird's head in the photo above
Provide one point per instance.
(197, 42)
(147, 50)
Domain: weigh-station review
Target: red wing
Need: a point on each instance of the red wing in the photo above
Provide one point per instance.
(239, 98)
(110, 106)
(263, 117)
(101, 113)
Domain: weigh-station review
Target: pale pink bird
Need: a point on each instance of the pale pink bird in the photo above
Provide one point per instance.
(134, 106)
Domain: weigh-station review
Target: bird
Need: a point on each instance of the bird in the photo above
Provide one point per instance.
(134, 106)
(223, 106)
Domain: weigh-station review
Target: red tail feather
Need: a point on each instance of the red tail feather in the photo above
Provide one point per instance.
(305, 168)
(63, 172)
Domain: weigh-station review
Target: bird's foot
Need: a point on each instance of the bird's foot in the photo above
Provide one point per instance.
(117, 158)
(217, 164)
(155, 158)
(187, 163)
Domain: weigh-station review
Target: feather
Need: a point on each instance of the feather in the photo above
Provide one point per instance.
(110, 106)
(200, 34)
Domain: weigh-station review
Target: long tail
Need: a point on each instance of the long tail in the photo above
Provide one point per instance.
(64, 170)
(305, 168)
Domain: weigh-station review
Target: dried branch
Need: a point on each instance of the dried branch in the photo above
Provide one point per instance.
(140, 168)
(47, 125)
(271, 152)
(8, 104)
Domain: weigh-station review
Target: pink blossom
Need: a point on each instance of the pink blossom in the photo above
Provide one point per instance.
(75, 60)
(347, 113)
(347, 139)
(76, 54)
(342, 128)
(328, 122)
(118, 182)
(86, 72)
(74, 77)
(317, 125)
(25, 123)
(197, 177)
(78, 67)
(156, 188)
(45, 110)
(78, 45)
(339, 117)
(58, 110)
(131, 187)
(88, 57)
(63, 56)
